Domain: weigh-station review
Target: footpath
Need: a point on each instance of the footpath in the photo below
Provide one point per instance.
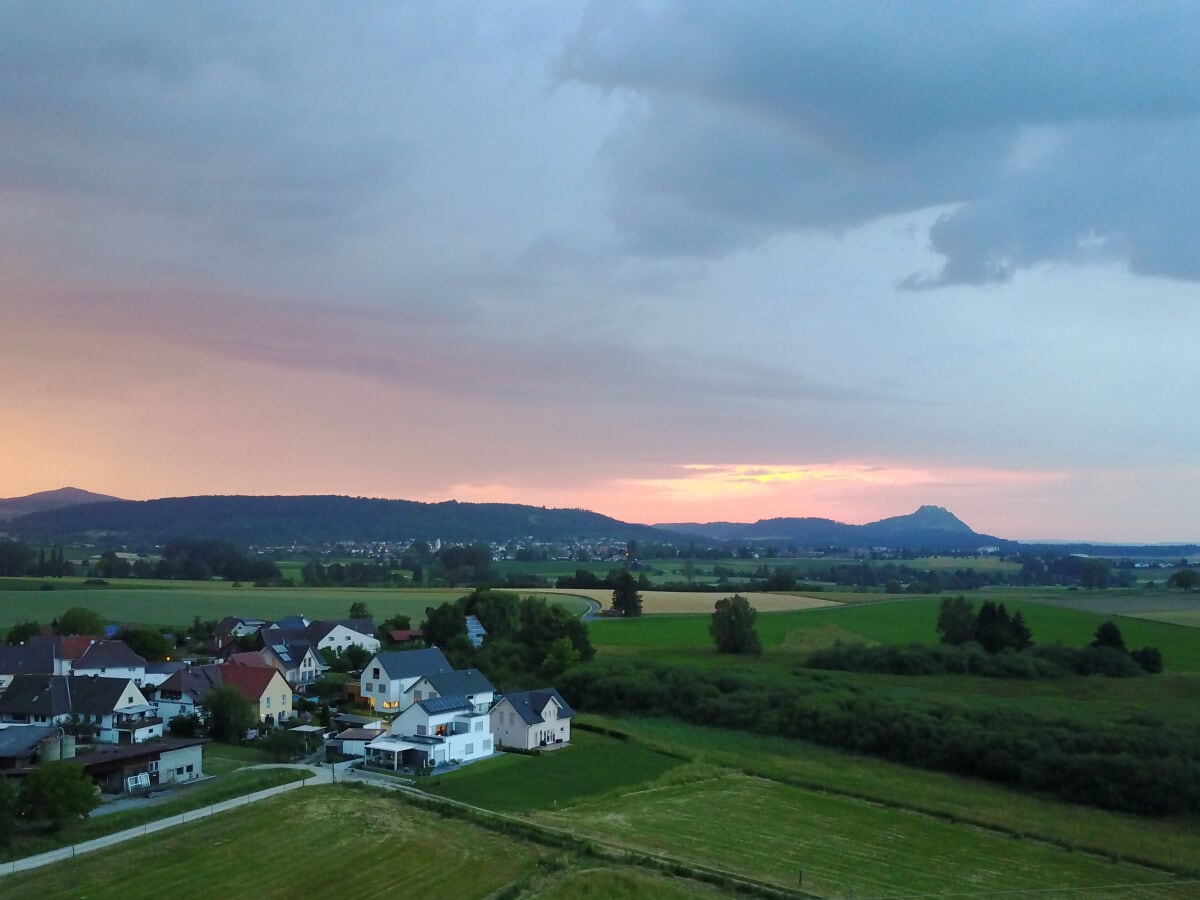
(322, 775)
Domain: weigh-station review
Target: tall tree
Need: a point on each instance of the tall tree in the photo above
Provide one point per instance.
(1186, 580)
(227, 713)
(79, 620)
(23, 631)
(732, 626)
(358, 610)
(146, 643)
(956, 620)
(625, 597)
(1109, 635)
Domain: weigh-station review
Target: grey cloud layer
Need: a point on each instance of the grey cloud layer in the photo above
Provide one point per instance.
(760, 118)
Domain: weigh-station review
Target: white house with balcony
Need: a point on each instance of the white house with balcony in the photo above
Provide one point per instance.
(436, 732)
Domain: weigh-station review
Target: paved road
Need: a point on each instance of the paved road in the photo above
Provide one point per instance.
(322, 775)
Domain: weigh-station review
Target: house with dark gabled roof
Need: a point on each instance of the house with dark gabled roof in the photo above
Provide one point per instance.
(388, 679)
(181, 693)
(296, 661)
(469, 683)
(339, 635)
(110, 659)
(37, 656)
(529, 719)
(230, 628)
(115, 707)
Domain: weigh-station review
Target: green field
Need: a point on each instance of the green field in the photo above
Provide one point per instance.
(591, 765)
(900, 621)
(175, 603)
(334, 839)
(848, 847)
(1166, 843)
(194, 796)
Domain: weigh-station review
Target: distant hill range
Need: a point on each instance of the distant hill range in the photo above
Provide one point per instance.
(317, 520)
(68, 496)
(930, 527)
(70, 514)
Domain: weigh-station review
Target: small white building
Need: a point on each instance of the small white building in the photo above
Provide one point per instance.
(531, 719)
(344, 634)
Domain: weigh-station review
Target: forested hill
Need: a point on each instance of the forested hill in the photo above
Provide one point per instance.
(280, 521)
(930, 527)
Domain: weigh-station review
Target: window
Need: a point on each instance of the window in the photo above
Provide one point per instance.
(179, 771)
(479, 724)
(417, 695)
(487, 746)
(267, 703)
(154, 766)
(191, 768)
(375, 672)
(421, 729)
(469, 749)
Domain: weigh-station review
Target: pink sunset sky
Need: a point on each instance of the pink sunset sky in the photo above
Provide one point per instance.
(671, 263)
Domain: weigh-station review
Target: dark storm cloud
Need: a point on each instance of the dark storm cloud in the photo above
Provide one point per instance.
(1054, 131)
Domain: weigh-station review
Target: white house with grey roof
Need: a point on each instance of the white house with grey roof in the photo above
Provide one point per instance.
(388, 679)
(439, 731)
(111, 659)
(531, 719)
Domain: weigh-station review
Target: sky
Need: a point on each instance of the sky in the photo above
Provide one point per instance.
(669, 261)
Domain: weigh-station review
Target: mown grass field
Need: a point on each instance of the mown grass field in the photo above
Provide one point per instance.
(175, 603)
(341, 841)
(848, 847)
(197, 796)
(335, 841)
(590, 766)
(1167, 843)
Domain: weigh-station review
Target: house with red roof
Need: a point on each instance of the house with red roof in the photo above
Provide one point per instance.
(264, 688)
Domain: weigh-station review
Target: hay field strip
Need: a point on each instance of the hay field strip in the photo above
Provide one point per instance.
(1188, 618)
(684, 602)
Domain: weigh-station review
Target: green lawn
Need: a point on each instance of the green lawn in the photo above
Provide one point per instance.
(591, 765)
(844, 846)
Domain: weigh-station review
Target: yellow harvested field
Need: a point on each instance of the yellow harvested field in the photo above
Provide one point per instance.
(665, 602)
